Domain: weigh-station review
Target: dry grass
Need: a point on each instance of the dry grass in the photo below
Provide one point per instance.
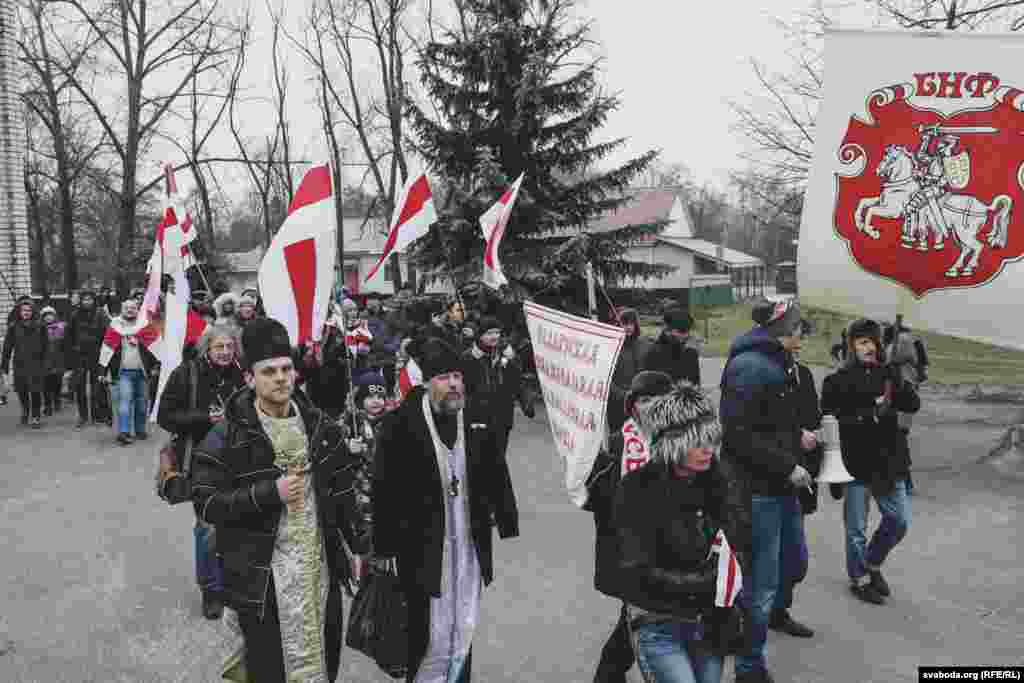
(953, 360)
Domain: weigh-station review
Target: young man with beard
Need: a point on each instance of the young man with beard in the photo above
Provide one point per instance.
(439, 485)
(866, 396)
(130, 365)
(674, 352)
(493, 380)
(217, 376)
(85, 336)
(275, 478)
(766, 444)
(26, 341)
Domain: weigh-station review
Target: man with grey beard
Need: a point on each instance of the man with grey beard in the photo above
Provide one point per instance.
(440, 480)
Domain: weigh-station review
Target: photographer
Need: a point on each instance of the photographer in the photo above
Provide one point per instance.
(866, 396)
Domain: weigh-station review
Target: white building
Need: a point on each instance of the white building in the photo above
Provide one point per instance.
(699, 263)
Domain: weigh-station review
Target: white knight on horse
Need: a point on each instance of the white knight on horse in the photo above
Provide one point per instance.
(917, 189)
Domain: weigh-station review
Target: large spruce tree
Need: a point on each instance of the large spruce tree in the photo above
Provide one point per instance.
(505, 100)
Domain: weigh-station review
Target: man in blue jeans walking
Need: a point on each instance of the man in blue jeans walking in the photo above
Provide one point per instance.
(124, 352)
(764, 441)
(866, 396)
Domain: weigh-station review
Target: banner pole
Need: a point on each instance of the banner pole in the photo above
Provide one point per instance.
(591, 295)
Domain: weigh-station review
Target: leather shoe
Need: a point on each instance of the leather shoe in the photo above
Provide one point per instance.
(141, 436)
(867, 593)
(761, 676)
(781, 620)
(879, 583)
(213, 607)
(124, 439)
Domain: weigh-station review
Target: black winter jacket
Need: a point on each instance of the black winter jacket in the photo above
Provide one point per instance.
(875, 448)
(675, 357)
(665, 526)
(635, 351)
(809, 418)
(85, 336)
(602, 484)
(214, 386)
(760, 414)
(27, 342)
(235, 488)
(409, 505)
(492, 388)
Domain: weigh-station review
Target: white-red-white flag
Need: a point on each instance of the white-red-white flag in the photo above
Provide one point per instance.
(493, 223)
(141, 332)
(413, 216)
(297, 272)
(730, 576)
(166, 260)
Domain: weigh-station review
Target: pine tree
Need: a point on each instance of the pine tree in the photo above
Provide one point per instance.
(509, 103)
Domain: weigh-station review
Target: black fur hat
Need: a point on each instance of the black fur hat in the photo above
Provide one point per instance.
(676, 421)
(859, 329)
(647, 383)
(437, 357)
(263, 339)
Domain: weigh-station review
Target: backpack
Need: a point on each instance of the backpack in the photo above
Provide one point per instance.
(174, 459)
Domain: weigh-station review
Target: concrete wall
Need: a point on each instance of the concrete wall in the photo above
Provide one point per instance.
(14, 250)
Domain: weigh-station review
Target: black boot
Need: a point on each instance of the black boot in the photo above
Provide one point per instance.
(879, 583)
(781, 620)
(867, 593)
(213, 605)
(761, 676)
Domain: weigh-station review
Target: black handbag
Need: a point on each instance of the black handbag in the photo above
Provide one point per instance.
(378, 623)
(174, 459)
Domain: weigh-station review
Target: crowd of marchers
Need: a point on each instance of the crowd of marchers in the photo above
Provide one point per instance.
(382, 448)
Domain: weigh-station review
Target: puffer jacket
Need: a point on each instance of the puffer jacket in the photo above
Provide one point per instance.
(760, 414)
(665, 526)
(602, 484)
(875, 448)
(235, 488)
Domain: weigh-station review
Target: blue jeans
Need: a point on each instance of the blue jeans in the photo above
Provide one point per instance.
(131, 387)
(895, 509)
(209, 570)
(666, 654)
(777, 523)
(793, 561)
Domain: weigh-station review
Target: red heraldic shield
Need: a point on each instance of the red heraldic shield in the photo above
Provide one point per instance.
(933, 202)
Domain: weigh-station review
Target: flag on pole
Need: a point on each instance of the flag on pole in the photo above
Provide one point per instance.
(297, 272)
(730, 576)
(413, 216)
(162, 260)
(493, 224)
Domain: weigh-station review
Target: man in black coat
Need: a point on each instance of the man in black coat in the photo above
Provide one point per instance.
(766, 444)
(276, 479)
(85, 336)
(866, 396)
(673, 352)
(440, 484)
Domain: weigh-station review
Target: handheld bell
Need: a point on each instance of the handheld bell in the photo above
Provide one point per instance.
(833, 471)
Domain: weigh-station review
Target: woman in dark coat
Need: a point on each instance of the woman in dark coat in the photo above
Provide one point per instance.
(26, 341)
(217, 376)
(56, 359)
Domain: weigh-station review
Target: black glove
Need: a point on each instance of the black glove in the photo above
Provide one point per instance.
(528, 410)
(837, 491)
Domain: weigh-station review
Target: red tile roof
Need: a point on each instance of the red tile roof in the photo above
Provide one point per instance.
(646, 205)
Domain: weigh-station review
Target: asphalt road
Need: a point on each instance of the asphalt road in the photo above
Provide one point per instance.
(98, 583)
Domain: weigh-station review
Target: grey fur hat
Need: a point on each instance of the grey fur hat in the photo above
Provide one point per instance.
(676, 421)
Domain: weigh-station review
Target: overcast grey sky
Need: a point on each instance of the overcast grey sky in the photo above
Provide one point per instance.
(674, 64)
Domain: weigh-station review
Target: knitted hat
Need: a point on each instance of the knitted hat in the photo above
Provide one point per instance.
(677, 421)
(437, 357)
(48, 309)
(263, 339)
(246, 300)
(780, 319)
(25, 299)
(678, 319)
(647, 383)
(370, 382)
